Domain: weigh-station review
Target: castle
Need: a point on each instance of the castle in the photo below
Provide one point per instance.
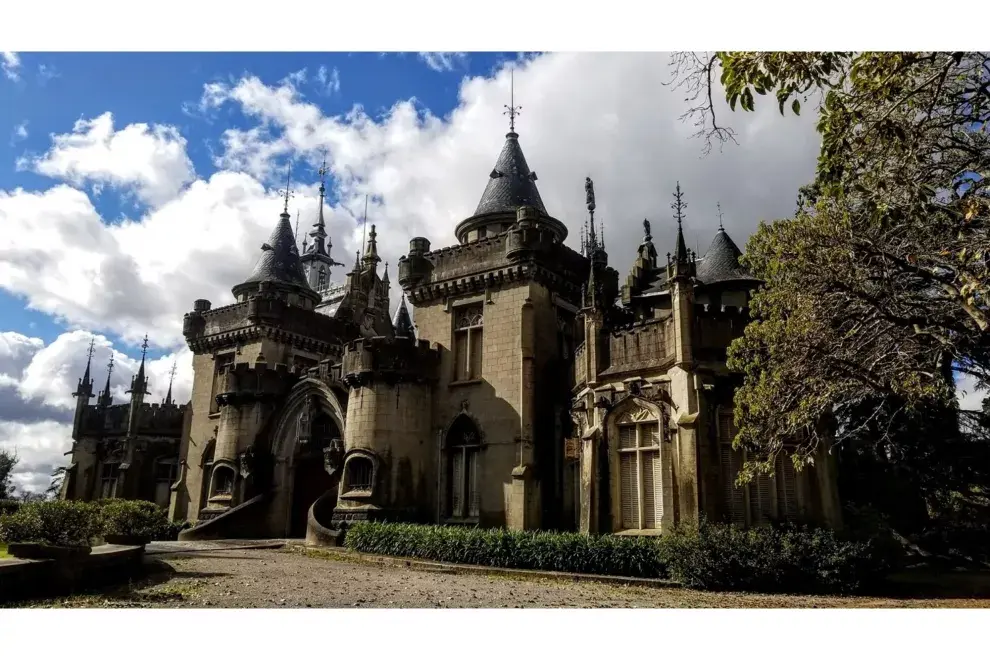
(532, 392)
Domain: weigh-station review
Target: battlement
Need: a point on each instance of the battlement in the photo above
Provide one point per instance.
(153, 419)
(245, 383)
(398, 359)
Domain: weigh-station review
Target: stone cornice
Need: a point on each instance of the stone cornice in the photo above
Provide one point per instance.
(491, 278)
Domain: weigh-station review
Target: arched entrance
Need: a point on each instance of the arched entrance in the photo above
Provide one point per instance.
(310, 479)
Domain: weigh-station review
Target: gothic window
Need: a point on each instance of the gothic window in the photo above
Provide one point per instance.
(321, 281)
(165, 472)
(468, 342)
(358, 475)
(223, 482)
(463, 446)
(109, 474)
(640, 494)
(220, 362)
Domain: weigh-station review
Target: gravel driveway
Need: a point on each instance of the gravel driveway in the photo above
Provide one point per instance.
(221, 577)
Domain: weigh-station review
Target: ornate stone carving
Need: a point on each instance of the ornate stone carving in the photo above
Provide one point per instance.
(304, 428)
(246, 462)
(634, 414)
(333, 456)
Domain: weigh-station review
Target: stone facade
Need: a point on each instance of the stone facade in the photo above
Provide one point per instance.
(527, 389)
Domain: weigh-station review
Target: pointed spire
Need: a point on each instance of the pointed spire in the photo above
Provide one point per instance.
(385, 274)
(85, 387)
(171, 379)
(403, 322)
(371, 249)
(105, 398)
(140, 383)
(89, 359)
(680, 252)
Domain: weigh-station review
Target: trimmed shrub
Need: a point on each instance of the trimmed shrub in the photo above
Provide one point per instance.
(58, 523)
(133, 518)
(712, 556)
(626, 556)
(772, 559)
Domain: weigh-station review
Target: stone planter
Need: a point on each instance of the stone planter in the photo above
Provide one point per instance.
(44, 551)
(126, 539)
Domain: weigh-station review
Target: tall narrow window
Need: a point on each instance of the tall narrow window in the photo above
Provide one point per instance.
(640, 493)
(165, 471)
(109, 474)
(767, 496)
(321, 281)
(463, 445)
(732, 460)
(468, 342)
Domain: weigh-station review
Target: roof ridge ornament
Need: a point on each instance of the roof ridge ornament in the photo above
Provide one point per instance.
(287, 192)
(512, 109)
(718, 205)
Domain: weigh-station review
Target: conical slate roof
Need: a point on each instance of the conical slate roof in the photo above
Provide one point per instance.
(721, 262)
(279, 260)
(511, 184)
(403, 322)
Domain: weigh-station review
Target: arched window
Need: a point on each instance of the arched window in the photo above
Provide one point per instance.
(223, 482)
(463, 445)
(321, 281)
(468, 344)
(640, 492)
(358, 475)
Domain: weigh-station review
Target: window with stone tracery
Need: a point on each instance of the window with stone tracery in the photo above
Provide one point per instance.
(321, 281)
(468, 342)
(109, 474)
(463, 450)
(640, 492)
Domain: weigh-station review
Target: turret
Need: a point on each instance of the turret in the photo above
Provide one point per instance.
(316, 260)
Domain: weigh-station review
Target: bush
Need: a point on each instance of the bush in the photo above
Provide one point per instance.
(711, 557)
(772, 559)
(59, 523)
(9, 506)
(626, 556)
(133, 518)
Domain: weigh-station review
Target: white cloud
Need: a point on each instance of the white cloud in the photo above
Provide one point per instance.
(443, 61)
(46, 72)
(329, 80)
(19, 133)
(297, 78)
(151, 160)
(969, 397)
(36, 386)
(10, 64)
(608, 116)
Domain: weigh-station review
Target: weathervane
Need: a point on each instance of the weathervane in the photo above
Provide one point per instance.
(92, 343)
(512, 109)
(171, 373)
(144, 347)
(323, 170)
(718, 205)
(679, 205)
(287, 193)
(110, 366)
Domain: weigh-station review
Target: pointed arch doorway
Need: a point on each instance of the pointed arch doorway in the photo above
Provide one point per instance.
(310, 477)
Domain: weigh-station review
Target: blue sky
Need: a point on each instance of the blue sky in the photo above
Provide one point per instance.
(133, 184)
(56, 89)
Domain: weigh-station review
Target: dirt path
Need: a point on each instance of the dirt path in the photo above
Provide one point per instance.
(290, 578)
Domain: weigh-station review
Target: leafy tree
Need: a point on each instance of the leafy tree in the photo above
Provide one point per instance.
(58, 477)
(878, 289)
(8, 461)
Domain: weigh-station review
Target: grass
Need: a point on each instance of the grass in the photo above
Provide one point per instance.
(3, 551)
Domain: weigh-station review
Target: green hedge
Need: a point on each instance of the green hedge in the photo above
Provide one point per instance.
(133, 518)
(74, 523)
(628, 556)
(712, 556)
(61, 523)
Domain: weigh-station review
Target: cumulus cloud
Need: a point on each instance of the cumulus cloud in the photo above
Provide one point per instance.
(606, 116)
(19, 133)
(150, 160)
(329, 80)
(970, 398)
(442, 62)
(10, 64)
(36, 386)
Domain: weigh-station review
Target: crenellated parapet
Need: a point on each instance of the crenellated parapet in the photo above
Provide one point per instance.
(245, 384)
(263, 316)
(153, 419)
(389, 360)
